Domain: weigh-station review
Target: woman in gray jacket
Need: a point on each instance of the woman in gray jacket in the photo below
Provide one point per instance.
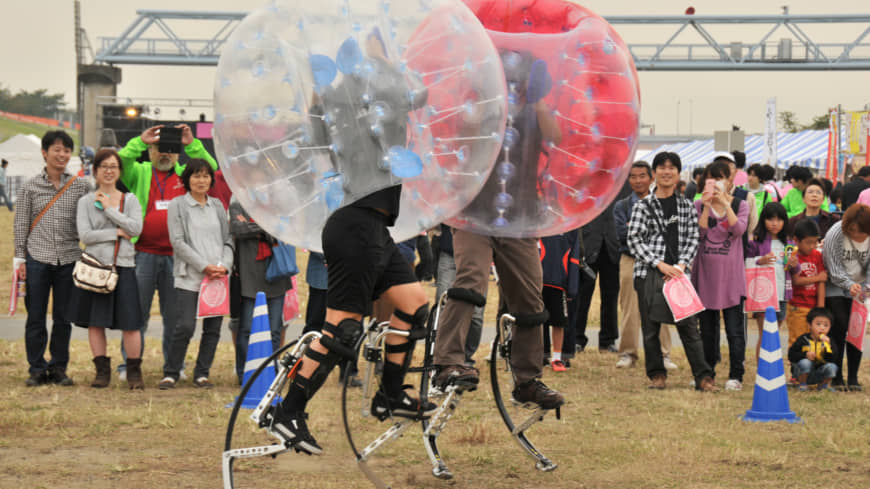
(102, 221)
(847, 257)
(202, 245)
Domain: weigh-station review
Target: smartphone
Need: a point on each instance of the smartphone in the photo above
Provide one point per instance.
(720, 185)
(170, 140)
(709, 187)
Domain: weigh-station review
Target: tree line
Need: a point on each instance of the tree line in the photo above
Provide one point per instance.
(789, 123)
(38, 103)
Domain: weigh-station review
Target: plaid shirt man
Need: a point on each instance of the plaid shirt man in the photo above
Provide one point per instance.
(646, 233)
(54, 240)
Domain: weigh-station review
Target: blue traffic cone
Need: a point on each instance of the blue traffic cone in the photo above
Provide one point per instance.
(259, 349)
(770, 400)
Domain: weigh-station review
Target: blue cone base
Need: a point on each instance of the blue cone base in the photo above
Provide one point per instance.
(765, 416)
(251, 403)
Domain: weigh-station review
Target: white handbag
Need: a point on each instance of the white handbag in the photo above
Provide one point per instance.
(90, 274)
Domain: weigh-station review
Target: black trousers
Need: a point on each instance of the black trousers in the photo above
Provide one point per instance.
(841, 307)
(608, 284)
(652, 346)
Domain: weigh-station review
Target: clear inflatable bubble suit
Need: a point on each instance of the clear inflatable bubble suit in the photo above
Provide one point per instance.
(566, 68)
(318, 104)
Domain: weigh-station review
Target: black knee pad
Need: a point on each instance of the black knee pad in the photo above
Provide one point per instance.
(531, 320)
(466, 295)
(345, 337)
(417, 321)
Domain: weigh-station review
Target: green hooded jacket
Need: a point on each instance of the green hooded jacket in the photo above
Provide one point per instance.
(136, 175)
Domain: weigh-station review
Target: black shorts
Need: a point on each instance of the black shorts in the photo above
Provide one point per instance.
(554, 302)
(362, 261)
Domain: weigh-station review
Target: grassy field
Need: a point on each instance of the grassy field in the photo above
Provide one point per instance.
(9, 128)
(613, 433)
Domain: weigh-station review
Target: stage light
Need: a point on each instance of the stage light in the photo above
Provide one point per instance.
(131, 112)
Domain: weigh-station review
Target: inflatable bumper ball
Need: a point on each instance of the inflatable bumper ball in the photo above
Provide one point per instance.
(320, 104)
(573, 104)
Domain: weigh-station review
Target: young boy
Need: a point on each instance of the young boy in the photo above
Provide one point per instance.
(808, 279)
(811, 354)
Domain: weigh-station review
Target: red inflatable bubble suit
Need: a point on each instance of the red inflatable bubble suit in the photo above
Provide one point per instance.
(565, 67)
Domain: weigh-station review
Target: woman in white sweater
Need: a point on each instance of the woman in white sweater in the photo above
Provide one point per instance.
(847, 258)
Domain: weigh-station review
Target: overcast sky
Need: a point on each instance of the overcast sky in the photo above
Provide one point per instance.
(37, 51)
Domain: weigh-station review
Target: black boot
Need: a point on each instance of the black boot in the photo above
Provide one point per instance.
(103, 365)
(134, 374)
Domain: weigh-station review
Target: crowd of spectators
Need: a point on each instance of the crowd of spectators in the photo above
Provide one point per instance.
(162, 226)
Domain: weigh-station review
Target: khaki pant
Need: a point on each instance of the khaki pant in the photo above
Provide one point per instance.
(518, 264)
(796, 319)
(628, 337)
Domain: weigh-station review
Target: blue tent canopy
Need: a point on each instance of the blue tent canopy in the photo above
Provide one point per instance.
(805, 148)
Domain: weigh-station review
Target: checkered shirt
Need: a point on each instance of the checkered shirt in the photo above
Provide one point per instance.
(54, 240)
(646, 233)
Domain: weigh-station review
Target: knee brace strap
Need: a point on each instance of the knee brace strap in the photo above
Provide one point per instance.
(345, 337)
(531, 320)
(466, 295)
(327, 362)
(316, 355)
(400, 348)
(417, 321)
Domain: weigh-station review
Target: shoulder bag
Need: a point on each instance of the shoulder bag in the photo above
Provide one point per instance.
(90, 274)
(282, 264)
(656, 306)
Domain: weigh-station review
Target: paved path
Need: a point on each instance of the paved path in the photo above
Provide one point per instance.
(13, 329)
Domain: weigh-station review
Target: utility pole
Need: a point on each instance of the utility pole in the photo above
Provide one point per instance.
(77, 19)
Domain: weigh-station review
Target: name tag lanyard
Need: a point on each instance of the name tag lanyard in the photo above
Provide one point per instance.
(161, 186)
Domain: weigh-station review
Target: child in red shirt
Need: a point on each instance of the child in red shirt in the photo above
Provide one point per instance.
(808, 277)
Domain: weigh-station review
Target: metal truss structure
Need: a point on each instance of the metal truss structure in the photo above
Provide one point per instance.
(797, 51)
(132, 47)
(792, 49)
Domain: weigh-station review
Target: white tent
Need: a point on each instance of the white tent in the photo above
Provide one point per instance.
(24, 154)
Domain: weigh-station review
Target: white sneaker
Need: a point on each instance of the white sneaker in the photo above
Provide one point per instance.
(122, 375)
(733, 385)
(625, 361)
(669, 365)
(182, 375)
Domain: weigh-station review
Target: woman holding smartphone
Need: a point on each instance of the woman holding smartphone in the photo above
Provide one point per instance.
(106, 218)
(718, 273)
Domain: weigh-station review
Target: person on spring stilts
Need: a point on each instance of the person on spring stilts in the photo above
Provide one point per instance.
(517, 260)
(363, 264)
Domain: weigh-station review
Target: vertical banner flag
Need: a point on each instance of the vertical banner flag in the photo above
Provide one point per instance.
(833, 144)
(856, 131)
(865, 144)
(770, 133)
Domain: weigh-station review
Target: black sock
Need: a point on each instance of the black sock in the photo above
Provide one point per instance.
(392, 379)
(297, 396)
